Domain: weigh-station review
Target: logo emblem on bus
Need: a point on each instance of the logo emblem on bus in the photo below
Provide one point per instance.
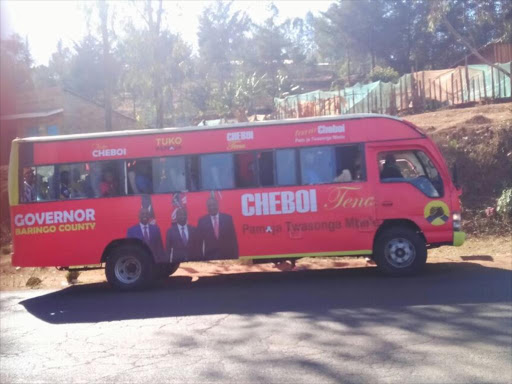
(436, 213)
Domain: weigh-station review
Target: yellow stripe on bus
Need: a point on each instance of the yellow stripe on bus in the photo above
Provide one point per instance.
(363, 252)
(13, 175)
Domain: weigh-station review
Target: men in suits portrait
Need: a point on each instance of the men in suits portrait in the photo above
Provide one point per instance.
(182, 242)
(217, 233)
(149, 234)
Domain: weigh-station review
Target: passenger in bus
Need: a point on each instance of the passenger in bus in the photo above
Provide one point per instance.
(29, 188)
(149, 234)
(77, 184)
(217, 233)
(108, 186)
(344, 177)
(143, 178)
(390, 169)
(64, 188)
(182, 240)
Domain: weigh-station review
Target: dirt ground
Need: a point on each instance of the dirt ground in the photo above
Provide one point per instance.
(494, 114)
(489, 251)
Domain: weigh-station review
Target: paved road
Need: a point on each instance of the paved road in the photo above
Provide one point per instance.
(452, 324)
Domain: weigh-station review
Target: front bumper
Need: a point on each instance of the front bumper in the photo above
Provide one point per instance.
(458, 238)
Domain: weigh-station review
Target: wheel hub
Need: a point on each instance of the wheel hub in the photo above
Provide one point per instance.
(400, 253)
(128, 269)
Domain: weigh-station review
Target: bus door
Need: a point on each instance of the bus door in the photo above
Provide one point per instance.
(407, 185)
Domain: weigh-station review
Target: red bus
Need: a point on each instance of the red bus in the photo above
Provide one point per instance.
(140, 203)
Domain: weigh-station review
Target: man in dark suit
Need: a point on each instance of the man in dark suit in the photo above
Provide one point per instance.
(182, 240)
(217, 233)
(149, 234)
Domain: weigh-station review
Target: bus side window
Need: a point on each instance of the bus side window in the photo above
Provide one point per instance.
(348, 164)
(245, 170)
(192, 173)
(108, 178)
(169, 174)
(140, 176)
(217, 171)
(286, 167)
(317, 165)
(266, 168)
(28, 193)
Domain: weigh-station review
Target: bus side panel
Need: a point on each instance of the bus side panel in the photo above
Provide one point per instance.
(328, 220)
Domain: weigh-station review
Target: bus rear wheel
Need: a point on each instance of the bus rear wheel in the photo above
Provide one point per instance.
(163, 271)
(129, 268)
(400, 251)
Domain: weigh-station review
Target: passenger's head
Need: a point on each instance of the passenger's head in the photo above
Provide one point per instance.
(64, 177)
(213, 206)
(390, 159)
(181, 216)
(30, 176)
(144, 216)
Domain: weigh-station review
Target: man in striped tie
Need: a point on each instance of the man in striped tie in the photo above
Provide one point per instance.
(217, 233)
(181, 240)
(149, 234)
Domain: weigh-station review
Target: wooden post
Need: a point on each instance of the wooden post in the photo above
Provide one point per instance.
(401, 95)
(380, 97)
(474, 89)
(492, 82)
(505, 86)
(368, 97)
(468, 85)
(339, 99)
(485, 84)
(423, 89)
(457, 90)
(453, 89)
(499, 84)
(461, 86)
(479, 90)
(440, 91)
(446, 92)
(406, 93)
(353, 101)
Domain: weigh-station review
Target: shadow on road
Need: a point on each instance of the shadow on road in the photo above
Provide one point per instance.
(312, 293)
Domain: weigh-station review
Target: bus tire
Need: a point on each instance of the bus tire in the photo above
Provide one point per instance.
(129, 268)
(400, 251)
(163, 271)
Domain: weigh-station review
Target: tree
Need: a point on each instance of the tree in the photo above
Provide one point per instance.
(16, 63)
(156, 62)
(480, 13)
(107, 65)
(222, 41)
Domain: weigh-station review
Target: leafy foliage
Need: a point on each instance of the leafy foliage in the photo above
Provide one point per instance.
(504, 206)
(385, 74)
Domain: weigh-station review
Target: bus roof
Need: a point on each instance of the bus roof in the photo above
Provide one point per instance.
(207, 128)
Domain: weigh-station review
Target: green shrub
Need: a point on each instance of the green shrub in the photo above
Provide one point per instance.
(504, 207)
(385, 74)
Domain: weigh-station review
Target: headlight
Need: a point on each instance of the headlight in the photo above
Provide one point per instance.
(456, 217)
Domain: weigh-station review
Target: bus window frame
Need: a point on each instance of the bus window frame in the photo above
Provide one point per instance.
(360, 145)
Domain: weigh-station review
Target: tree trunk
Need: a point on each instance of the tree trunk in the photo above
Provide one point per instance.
(107, 72)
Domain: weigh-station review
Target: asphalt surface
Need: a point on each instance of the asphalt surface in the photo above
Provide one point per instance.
(451, 324)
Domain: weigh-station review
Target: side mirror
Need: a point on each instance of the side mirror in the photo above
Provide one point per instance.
(455, 177)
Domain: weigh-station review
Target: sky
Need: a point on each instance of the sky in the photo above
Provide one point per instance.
(43, 23)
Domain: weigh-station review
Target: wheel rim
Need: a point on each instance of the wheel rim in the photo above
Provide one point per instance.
(128, 269)
(400, 253)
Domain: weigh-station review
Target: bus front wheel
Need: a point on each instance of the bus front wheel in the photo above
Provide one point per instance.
(400, 251)
(128, 268)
